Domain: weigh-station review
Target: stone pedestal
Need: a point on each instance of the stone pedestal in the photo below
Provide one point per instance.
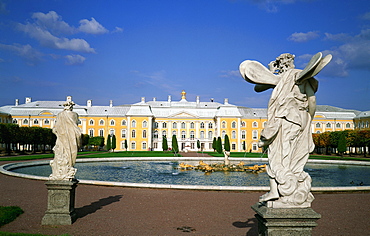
(61, 201)
(285, 221)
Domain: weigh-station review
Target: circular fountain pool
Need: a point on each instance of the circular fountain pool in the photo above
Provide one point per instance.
(163, 173)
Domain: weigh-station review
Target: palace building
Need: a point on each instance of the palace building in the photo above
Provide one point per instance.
(145, 124)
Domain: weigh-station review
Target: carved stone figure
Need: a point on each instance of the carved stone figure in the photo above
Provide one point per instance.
(68, 142)
(287, 133)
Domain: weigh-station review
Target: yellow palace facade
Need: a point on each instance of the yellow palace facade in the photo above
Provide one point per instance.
(145, 124)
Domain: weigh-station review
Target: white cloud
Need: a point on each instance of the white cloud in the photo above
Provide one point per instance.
(74, 59)
(92, 27)
(272, 5)
(230, 74)
(46, 39)
(31, 55)
(117, 30)
(53, 22)
(303, 37)
(366, 16)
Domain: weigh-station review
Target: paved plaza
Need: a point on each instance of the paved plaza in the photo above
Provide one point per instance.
(133, 211)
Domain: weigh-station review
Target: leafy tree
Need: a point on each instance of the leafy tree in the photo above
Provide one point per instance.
(109, 143)
(342, 143)
(227, 143)
(244, 147)
(219, 145)
(164, 143)
(9, 135)
(85, 139)
(175, 145)
(96, 141)
(214, 144)
(126, 146)
(114, 142)
(198, 144)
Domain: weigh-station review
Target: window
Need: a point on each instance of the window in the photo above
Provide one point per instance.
(133, 134)
(123, 145)
(223, 124)
(192, 145)
(164, 133)
(254, 134)
(133, 145)
(233, 125)
(47, 121)
(15, 121)
(254, 147)
(133, 124)
(233, 135)
(183, 135)
(210, 135)
(192, 135)
(183, 126)
(91, 132)
(36, 121)
(164, 125)
(210, 125)
(202, 125)
(328, 125)
(223, 134)
(145, 124)
(155, 125)
(338, 125)
(155, 135)
(318, 125)
(254, 124)
(25, 122)
(233, 146)
(144, 133)
(174, 132)
(123, 133)
(101, 122)
(124, 123)
(155, 145)
(202, 134)
(174, 125)
(91, 122)
(243, 124)
(192, 125)
(111, 132)
(112, 122)
(318, 132)
(143, 146)
(101, 132)
(348, 125)
(243, 134)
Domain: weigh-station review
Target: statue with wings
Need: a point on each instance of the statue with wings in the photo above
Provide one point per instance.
(287, 133)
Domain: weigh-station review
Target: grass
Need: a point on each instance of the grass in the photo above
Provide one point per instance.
(9, 213)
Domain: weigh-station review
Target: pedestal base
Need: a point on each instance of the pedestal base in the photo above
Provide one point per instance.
(61, 201)
(285, 221)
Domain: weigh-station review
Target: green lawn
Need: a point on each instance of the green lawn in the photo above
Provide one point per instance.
(9, 213)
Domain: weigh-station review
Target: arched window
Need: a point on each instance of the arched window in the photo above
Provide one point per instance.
(348, 125)
(223, 124)
(243, 134)
(223, 134)
(123, 122)
(143, 146)
(183, 136)
(202, 125)
(192, 135)
(254, 147)
(254, 134)
(254, 124)
(318, 125)
(210, 135)
(101, 122)
(164, 125)
(133, 134)
(174, 132)
(91, 122)
(243, 124)
(192, 125)
(133, 145)
(25, 121)
(164, 133)
(47, 121)
(328, 125)
(174, 125)
(144, 133)
(338, 125)
(145, 124)
(233, 125)
(101, 132)
(36, 121)
(91, 132)
(15, 121)
(133, 124)
(210, 125)
(183, 125)
(201, 134)
(155, 134)
(123, 133)
(155, 125)
(112, 122)
(233, 134)
(111, 132)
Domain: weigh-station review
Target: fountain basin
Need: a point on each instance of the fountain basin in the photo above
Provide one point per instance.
(166, 173)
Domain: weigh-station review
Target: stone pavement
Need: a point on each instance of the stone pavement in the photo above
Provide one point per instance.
(132, 211)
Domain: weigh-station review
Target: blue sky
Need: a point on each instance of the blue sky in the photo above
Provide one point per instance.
(125, 50)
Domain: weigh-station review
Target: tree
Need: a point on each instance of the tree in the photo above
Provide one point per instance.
(198, 144)
(244, 147)
(214, 144)
(227, 143)
(175, 145)
(126, 146)
(109, 143)
(96, 141)
(9, 135)
(84, 140)
(164, 143)
(219, 145)
(114, 142)
(342, 143)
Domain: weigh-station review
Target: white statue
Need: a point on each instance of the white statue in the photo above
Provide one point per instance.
(68, 142)
(287, 133)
